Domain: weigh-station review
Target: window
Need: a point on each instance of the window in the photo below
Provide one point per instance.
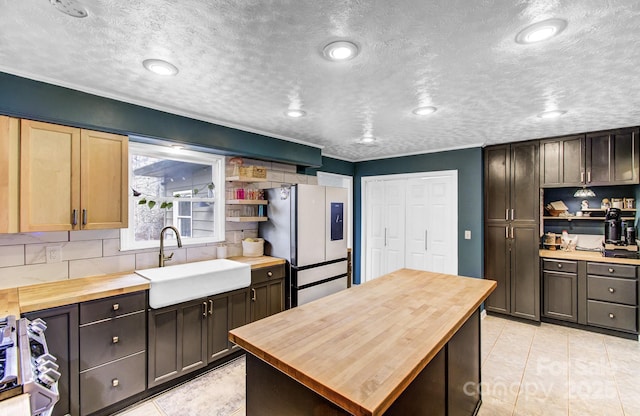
(183, 188)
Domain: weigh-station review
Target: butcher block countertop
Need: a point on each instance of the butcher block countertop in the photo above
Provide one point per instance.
(586, 256)
(16, 406)
(65, 292)
(361, 347)
(9, 302)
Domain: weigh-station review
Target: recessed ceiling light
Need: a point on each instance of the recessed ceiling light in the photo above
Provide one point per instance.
(552, 114)
(160, 67)
(423, 111)
(70, 7)
(295, 113)
(367, 140)
(341, 50)
(540, 31)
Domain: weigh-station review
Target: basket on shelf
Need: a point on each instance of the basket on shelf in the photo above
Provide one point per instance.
(253, 172)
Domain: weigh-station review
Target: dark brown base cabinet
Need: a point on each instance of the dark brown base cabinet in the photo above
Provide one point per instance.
(101, 350)
(592, 295)
(560, 289)
(62, 340)
(185, 337)
(267, 292)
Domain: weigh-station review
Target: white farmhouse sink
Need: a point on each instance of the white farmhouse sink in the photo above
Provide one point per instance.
(171, 285)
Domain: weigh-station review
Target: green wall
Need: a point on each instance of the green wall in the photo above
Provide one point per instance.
(468, 163)
(36, 100)
(25, 98)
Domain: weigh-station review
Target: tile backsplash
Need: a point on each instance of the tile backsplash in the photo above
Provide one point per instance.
(97, 252)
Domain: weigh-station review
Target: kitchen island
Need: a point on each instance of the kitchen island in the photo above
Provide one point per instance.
(405, 343)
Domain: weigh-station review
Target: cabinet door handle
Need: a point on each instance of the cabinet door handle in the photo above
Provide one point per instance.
(385, 236)
(582, 176)
(512, 214)
(589, 177)
(506, 232)
(611, 270)
(611, 290)
(115, 382)
(116, 306)
(506, 214)
(210, 306)
(84, 217)
(204, 311)
(115, 340)
(253, 295)
(611, 316)
(74, 217)
(512, 232)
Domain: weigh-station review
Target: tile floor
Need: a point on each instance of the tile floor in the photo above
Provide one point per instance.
(526, 370)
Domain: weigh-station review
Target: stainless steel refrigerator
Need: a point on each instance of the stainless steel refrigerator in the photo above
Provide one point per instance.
(306, 227)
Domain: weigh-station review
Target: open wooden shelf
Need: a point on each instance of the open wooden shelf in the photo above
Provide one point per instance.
(244, 179)
(246, 202)
(247, 219)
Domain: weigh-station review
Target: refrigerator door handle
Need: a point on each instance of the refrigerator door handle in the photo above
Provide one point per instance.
(385, 236)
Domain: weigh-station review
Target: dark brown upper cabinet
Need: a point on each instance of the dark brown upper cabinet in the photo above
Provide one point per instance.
(595, 159)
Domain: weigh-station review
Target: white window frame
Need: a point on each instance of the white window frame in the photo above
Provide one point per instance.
(185, 196)
(217, 162)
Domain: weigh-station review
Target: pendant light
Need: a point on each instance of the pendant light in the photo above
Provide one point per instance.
(584, 193)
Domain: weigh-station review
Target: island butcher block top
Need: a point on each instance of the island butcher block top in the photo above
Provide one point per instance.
(361, 347)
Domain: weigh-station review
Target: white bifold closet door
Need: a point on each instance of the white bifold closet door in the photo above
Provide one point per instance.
(431, 232)
(411, 222)
(386, 212)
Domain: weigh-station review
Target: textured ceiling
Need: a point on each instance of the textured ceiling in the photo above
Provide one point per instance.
(244, 62)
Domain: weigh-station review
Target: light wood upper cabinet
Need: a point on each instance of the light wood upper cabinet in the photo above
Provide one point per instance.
(9, 174)
(71, 179)
(104, 179)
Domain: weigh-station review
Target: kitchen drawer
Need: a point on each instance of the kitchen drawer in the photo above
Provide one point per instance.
(111, 307)
(106, 341)
(560, 266)
(610, 269)
(108, 384)
(611, 289)
(612, 315)
(267, 273)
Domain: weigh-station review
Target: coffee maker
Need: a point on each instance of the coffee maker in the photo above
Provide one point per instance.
(618, 241)
(613, 227)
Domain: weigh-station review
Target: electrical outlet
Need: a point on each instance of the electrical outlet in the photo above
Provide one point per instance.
(53, 254)
(467, 234)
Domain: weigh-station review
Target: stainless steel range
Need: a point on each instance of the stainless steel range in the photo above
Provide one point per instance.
(26, 365)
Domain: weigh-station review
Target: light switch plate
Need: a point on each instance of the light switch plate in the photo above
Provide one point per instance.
(467, 234)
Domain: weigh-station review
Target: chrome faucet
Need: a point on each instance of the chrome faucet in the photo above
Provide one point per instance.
(162, 256)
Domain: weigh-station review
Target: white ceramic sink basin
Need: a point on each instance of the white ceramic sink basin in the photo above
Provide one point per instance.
(171, 285)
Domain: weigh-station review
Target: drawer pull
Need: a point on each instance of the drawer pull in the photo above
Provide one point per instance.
(116, 306)
(115, 340)
(269, 274)
(115, 382)
(559, 265)
(611, 290)
(611, 270)
(611, 316)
